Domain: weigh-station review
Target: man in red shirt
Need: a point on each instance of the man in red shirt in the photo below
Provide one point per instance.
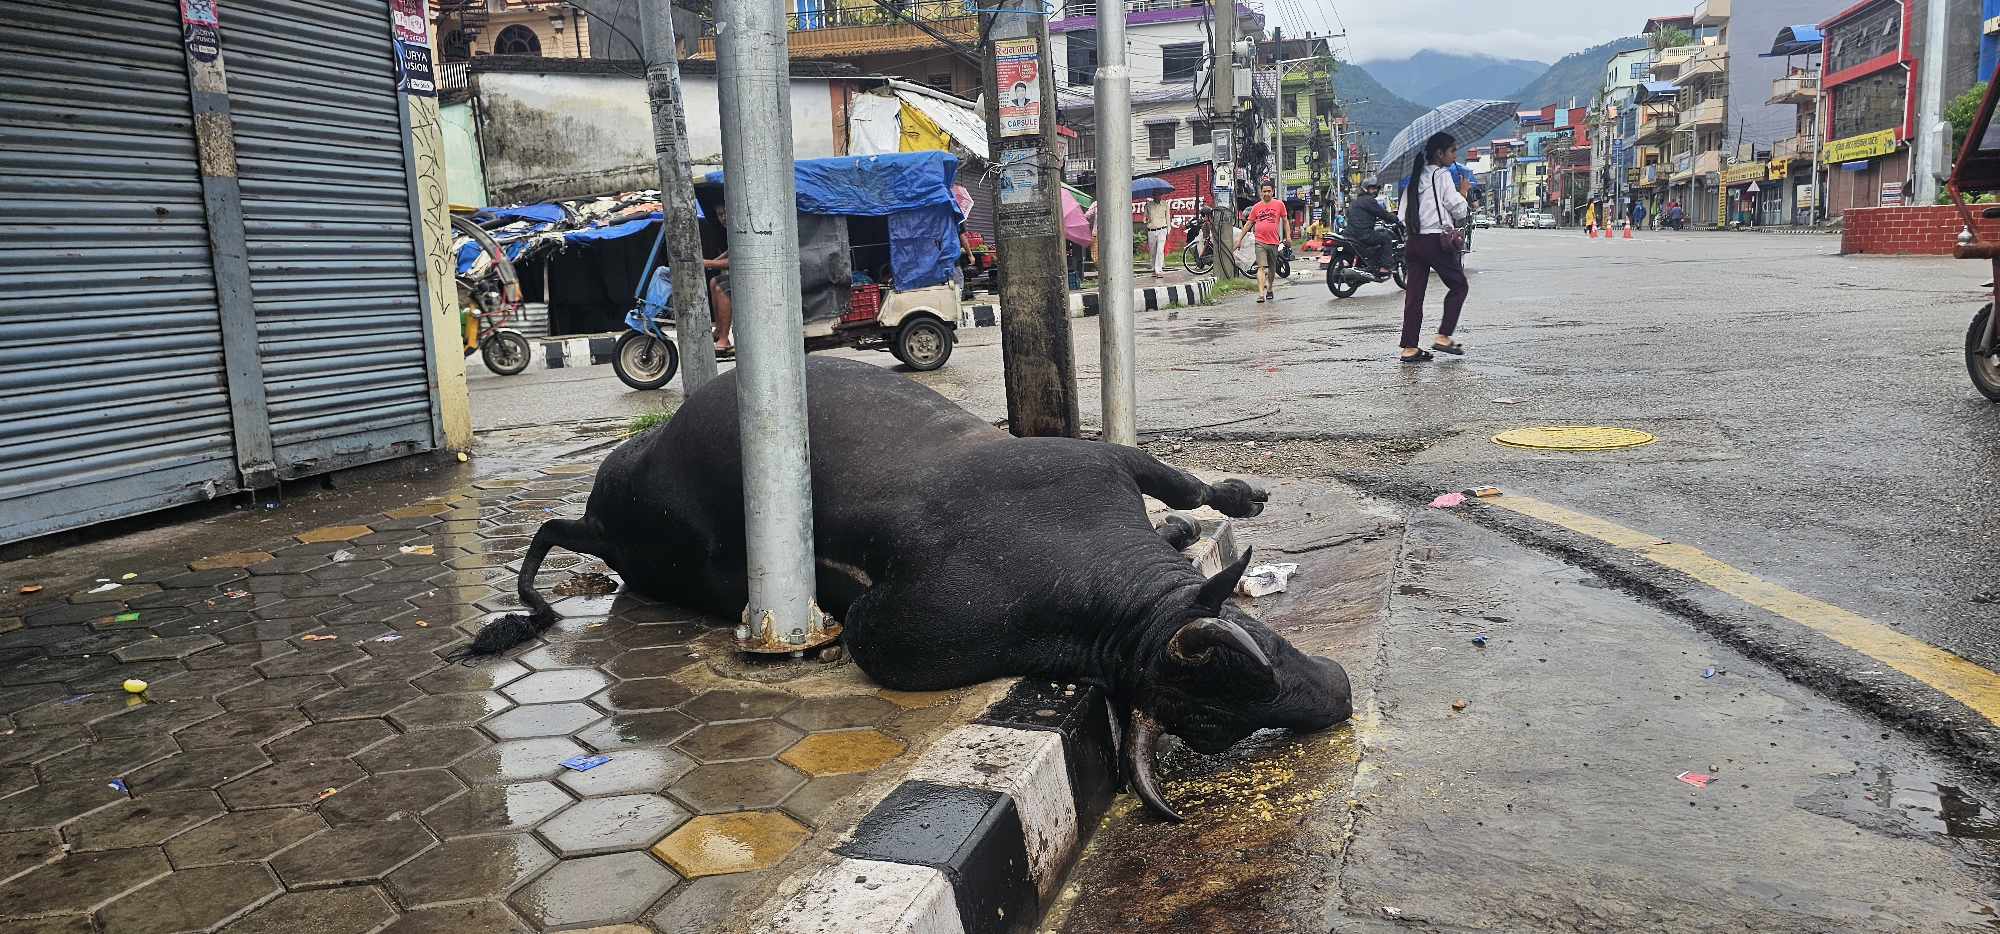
(1272, 224)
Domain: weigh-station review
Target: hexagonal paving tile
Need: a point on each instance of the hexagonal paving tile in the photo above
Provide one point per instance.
(200, 768)
(230, 559)
(354, 853)
(482, 917)
(146, 821)
(594, 890)
(22, 850)
(718, 844)
(747, 739)
(77, 709)
(517, 760)
(289, 783)
(335, 740)
(914, 700)
(723, 706)
(813, 802)
(657, 634)
(553, 686)
(442, 710)
(421, 511)
(397, 669)
(840, 713)
(53, 804)
(313, 658)
(542, 720)
(333, 533)
(422, 750)
(80, 881)
(652, 663)
(239, 654)
(612, 824)
(470, 867)
(497, 808)
(276, 692)
(190, 900)
(642, 694)
(174, 694)
(628, 730)
(203, 580)
(248, 726)
(165, 714)
(843, 753)
(486, 675)
(381, 797)
(737, 786)
(242, 836)
(361, 701)
(629, 771)
(110, 757)
(576, 653)
(26, 746)
(354, 910)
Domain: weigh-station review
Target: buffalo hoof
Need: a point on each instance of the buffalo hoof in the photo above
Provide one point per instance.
(1237, 499)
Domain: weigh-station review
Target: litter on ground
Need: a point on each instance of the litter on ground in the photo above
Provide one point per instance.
(31, 588)
(135, 686)
(1266, 579)
(105, 587)
(132, 617)
(314, 637)
(1448, 500)
(584, 763)
(418, 550)
(1697, 779)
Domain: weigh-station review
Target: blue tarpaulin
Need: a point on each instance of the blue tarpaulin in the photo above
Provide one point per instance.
(613, 232)
(1794, 40)
(539, 213)
(911, 189)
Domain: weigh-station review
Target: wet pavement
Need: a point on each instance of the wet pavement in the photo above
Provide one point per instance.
(272, 737)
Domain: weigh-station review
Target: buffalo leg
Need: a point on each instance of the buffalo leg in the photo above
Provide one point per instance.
(1182, 490)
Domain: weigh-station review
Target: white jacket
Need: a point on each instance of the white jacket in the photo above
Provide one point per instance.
(1429, 219)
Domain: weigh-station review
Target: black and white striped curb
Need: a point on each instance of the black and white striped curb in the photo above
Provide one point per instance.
(978, 837)
(1084, 304)
(556, 353)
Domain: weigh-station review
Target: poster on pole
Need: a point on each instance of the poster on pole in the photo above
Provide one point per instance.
(414, 72)
(1017, 67)
(201, 32)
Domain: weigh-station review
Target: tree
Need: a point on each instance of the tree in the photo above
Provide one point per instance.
(1667, 37)
(1961, 112)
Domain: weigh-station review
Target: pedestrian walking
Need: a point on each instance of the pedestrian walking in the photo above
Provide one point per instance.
(1639, 214)
(1271, 224)
(1432, 211)
(1159, 220)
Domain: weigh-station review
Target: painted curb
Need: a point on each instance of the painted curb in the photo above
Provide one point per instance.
(1084, 304)
(558, 353)
(982, 830)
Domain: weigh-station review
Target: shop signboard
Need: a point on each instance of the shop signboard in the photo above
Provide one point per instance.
(1856, 148)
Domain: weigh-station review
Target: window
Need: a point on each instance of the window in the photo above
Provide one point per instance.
(1180, 62)
(941, 82)
(1638, 71)
(1866, 105)
(1084, 147)
(1288, 104)
(1296, 156)
(456, 47)
(517, 40)
(1160, 139)
(1870, 34)
(1082, 56)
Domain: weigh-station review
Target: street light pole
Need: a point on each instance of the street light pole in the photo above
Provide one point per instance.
(1116, 338)
(754, 90)
(663, 89)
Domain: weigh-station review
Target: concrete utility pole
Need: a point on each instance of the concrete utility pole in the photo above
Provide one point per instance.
(755, 95)
(1035, 349)
(1933, 158)
(1118, 369)
(1222, 226)
(663, 88)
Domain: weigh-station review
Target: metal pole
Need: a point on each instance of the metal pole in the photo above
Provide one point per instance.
(1116, 328)
(1933, 133)
(692, 323)
(755, 95)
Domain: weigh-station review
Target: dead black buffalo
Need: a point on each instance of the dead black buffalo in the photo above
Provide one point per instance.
(954, 553)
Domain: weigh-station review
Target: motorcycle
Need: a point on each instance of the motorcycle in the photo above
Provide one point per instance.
(1347, 272)
(1976, 171)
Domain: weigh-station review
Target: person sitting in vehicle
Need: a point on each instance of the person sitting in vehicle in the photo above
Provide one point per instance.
(719, 297)
(1362, 215)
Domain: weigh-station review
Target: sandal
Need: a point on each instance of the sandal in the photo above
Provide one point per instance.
(1260, 299)
(1454, 348)
(1421, 356)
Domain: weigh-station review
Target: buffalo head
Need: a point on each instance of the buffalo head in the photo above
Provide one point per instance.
(1221, 677)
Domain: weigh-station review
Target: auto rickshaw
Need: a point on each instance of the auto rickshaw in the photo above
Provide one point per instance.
(488, 304)
(878, 240)
(1976, 172)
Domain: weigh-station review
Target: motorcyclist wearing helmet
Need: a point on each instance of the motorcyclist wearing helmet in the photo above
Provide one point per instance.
(1363, 213)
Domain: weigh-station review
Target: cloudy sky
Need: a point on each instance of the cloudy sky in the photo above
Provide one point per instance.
(1539, 29)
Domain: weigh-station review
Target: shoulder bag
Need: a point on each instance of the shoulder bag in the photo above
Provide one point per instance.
(1452, 238)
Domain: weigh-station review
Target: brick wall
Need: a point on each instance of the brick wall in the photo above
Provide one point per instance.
(1930, 231)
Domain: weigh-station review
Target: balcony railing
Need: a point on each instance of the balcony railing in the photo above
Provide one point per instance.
(1796, 147)
(1706, 113)
(1089, 7)
(853, 28)
(840, 14)
(1657, 129)
(1794, 89)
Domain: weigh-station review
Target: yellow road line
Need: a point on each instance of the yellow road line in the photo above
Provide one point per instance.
(1969, 684)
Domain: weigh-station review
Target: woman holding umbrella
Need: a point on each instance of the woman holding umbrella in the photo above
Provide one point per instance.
(1432, 210)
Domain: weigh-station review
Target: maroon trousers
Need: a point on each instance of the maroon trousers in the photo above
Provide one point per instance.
(1426, 253)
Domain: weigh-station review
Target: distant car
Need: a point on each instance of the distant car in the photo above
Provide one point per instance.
(1482, 219)
(1539, 221)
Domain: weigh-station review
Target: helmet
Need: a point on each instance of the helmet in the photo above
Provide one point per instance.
(1371, 185)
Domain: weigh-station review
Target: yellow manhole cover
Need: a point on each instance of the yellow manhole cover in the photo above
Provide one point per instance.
(1573, 438)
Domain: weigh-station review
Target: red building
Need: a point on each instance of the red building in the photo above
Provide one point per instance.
(1870, 105)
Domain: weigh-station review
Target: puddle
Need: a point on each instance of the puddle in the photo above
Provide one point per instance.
(1905, 803)
(588, 584)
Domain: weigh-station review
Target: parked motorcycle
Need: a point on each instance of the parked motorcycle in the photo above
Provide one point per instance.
(1347, 270)
(1977, 172)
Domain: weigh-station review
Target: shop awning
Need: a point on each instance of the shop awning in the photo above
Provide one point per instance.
(1795, 40)
(1654, 92)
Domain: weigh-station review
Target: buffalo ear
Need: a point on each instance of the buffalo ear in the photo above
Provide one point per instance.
(1216, 592)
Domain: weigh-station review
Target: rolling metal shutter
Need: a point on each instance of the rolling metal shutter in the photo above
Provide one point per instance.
(112, 384)
(327, 210)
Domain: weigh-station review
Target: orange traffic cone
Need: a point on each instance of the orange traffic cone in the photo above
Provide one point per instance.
(1628, 229)
(1592, 230)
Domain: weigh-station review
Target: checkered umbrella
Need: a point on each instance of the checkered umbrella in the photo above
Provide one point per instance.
(1465, 119)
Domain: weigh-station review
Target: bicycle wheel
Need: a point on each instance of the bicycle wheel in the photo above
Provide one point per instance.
(1196, 261)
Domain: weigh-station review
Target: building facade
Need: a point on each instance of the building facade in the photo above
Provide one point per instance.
(468, 29)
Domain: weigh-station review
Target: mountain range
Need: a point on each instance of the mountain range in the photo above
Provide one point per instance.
(1431, 77)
